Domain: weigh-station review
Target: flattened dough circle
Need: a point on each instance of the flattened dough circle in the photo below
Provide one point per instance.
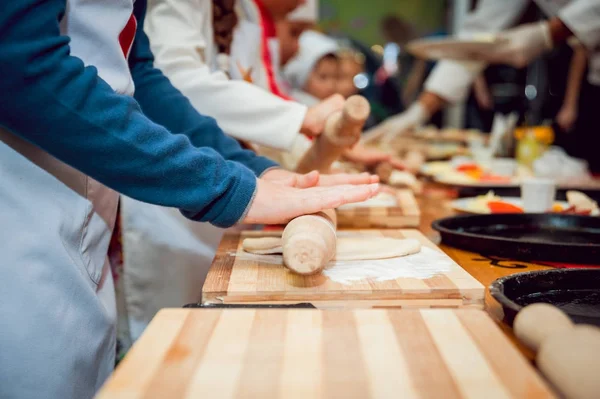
(370, 248)
(348, 248)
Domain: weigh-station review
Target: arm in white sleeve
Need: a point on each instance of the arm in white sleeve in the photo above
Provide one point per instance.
(180, 35)
(452, 80)
(583, 19)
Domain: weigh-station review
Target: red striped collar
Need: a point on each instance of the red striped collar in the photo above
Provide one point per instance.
(268, 31)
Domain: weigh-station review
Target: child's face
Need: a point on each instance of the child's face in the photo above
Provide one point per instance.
(348, 69)
(322, 80)
(288, 33)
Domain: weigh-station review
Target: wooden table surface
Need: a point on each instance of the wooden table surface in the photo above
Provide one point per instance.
(302, 353)
(435, 204)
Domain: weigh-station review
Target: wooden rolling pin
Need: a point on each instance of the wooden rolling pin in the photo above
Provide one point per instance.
(568, 355)
(309, 242)
(342, 131)
(384, 171)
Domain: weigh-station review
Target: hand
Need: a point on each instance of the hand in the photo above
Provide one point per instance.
(482, 93)
(313, 178)
(276, 203)
(397, 163)
(518, 46)
(566, 117)
(396, 125)
(316, 116)
(347, 178)
(291, 179)
(365, 156)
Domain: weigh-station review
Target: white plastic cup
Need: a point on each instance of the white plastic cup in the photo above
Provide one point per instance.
(504, 167)
(483, 156)
(538, 194)
(475, 141)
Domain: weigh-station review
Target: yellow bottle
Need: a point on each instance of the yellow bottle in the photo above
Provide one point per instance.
(532, 143)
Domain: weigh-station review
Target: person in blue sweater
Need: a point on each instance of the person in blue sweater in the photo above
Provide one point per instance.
(72, 135)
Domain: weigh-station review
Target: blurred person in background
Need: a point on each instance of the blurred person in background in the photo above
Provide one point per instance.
(289, 30)
(450, 81)
(226, 52)
(568, 98)
(351, 75)
(412, 71)
(351, 66)
(313, 74)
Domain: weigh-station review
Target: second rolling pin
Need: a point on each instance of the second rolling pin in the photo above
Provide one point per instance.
(342, 131)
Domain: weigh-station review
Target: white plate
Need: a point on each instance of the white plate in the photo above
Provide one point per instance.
(452, 48)
(436, 168)
(462, 204)
(460, 180)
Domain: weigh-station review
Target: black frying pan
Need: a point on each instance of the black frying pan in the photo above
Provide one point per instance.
(542, 237)
(575, 291)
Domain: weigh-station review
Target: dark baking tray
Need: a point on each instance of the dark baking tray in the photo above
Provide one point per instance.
(542, 237)
(575, 291)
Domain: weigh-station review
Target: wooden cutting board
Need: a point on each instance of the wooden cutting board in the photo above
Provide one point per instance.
(298, 353)
(233, 279)
(405, 214)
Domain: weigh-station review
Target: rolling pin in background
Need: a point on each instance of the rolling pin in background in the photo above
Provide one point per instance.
(309, 242)
(568, 355)
(342, 131)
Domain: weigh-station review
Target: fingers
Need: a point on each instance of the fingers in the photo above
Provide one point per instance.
(387, 189)
(397, 163)
(335, 196)
(345, 178)
(290, 179)
(275, 203)
(368, 157)
(310, 179)
(372, 158)
(335, 102)
(317, 115)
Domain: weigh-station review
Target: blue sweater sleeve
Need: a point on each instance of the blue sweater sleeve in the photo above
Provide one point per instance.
(165, 105)
(51, 99)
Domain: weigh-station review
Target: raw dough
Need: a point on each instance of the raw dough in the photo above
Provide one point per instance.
(263, 245)
(369, 248)
(381, 200)
(348, 248)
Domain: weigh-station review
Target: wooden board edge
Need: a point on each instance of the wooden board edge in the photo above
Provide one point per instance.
(379, 217)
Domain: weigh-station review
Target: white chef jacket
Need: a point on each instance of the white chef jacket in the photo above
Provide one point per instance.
(181, 38)
(452, 80)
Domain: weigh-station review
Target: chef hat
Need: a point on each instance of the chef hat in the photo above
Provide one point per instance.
(313, 47)
(307, 12)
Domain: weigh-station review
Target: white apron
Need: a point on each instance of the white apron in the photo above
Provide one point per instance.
(57, 301)
(57, 295)
(165, 261)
